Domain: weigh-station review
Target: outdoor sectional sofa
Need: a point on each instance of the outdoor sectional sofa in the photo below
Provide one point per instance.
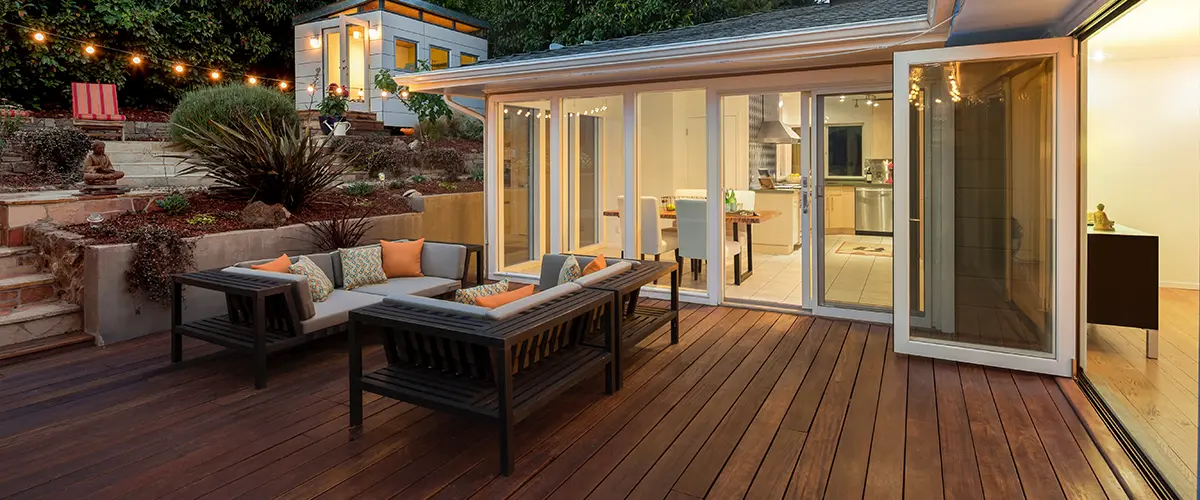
(270, 312)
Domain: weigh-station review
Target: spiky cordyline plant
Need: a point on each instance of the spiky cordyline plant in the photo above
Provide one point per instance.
(271, 162)
(342, 231)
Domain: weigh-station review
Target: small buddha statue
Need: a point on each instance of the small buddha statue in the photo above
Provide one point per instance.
(1101, 222)
(99, 176)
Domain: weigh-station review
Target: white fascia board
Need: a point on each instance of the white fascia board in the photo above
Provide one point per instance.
(806, 45)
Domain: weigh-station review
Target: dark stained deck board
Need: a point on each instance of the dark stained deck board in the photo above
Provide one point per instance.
(747, 405)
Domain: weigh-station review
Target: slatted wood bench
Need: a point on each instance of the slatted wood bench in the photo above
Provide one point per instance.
(262, 317)
(501, 370)
(638, 321)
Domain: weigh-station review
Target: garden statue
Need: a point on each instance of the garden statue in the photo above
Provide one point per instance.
(1101, 220)
(99, 176)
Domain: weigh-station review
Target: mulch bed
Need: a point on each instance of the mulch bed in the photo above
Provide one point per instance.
(440, 187)
(226, 211)
(462, 145)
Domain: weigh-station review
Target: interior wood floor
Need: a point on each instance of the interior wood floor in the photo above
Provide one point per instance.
(1155, 399)
(749, 404)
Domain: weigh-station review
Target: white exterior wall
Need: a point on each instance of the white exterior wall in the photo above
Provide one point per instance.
(391, 26)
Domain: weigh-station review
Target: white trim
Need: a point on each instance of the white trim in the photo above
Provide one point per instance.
(492, 202)
(629, 219)
(808, 296)
(557, 154)
(785, 49)
(714, 183)
(1065, 207)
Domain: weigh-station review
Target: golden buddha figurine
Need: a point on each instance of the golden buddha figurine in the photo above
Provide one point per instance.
(1101, 220)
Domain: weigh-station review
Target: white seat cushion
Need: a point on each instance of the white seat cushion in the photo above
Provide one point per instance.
(733, 247)
(425, 286)
(335, 310)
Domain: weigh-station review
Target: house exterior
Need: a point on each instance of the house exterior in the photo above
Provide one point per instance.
(920, 163)
(348, 42)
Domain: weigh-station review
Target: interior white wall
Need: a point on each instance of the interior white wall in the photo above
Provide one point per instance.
(1143, 154)
(876, 122)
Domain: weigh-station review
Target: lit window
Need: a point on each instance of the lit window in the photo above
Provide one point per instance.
(465, 28)
(438, 20)
(439, 58)
(466, 59)
(406, 55)
(403, 10)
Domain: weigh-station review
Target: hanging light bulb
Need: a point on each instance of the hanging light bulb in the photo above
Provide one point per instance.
(314, 42)
(283, 85)
(868, 102)
(506, 111)
(135, 60)
(311, 89)
(215, 75)
(38, 36)
(337, 90)
(179, 68)
(842, 99)
(252, 80)
(383, 93)
(360, 93)
(877, 105)
(404, 94)
(90, 50)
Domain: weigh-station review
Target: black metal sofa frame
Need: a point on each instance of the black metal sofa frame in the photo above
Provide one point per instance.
(500, 370)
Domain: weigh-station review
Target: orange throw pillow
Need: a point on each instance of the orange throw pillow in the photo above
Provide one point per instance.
(595, 265)
(402, 259)
(494, 301)
(279, 265)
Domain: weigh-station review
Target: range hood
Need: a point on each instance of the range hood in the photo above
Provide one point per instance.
(772, 130)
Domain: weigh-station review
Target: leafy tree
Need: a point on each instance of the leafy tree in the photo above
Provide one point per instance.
(242, 36)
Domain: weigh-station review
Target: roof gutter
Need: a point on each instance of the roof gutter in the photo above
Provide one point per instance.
(779, 47)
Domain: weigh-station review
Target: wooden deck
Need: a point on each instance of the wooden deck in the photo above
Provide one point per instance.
(748, 404)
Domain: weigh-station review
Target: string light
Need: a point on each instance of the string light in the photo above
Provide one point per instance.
(135, 60)
(38, 36)
(90, 50)
(404, 94)
(338, 90)
(283, 85)
(252, 80)
(360, 93)
(179, 68)
(311, 89)
(216, 75)
(383, 93)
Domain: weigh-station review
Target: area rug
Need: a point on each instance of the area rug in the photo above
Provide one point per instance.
(868, 249)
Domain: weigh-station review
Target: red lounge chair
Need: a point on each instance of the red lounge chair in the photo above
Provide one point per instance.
(95, 107)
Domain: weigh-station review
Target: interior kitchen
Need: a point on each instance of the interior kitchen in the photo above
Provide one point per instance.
(761, 161)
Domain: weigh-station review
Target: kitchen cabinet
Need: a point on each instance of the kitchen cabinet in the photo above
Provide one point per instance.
(778, 235)
(839, 210)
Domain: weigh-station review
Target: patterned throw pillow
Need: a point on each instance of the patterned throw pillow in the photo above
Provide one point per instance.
(468, 295)
(570, 271)
(362, 266)
(319, 285)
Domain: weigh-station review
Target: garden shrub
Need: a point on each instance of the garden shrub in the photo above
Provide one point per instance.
(266, 162)
(158, 253)
(456, 126)
(343, 231)
(230, 105)
(202, 220)
(173, 204)
(448, 161)
(58, 151)
(477, 174)
(360, 189)
(392, 160)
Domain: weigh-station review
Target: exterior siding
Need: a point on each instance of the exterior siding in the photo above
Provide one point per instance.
(382, 55)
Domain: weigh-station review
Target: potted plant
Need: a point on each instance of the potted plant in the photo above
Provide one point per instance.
(332, 110)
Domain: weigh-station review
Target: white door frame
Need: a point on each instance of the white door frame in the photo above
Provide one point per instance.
(1065, 209)
(344, 79)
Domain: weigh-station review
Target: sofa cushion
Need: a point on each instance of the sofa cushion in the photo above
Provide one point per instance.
(552, 263)
(335, 310)
(603, 274)
(300, 293)
(444, 260)
(517, 306)
(596, 264)
(319, 285)
(278, 265)
(427, 286)
(402, 259)
(570, 271)
(325, 261)
(362, 266)
(499, 299)
(468, 295)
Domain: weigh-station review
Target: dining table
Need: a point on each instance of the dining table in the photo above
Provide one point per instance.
(746, 217)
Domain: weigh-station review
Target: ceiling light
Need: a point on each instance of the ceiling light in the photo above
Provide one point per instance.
(781, 103)
(357, 35)
(314, 42)
(842, 99)
(877, 105)
(868, 102)
(939, 101)
(1098, 56)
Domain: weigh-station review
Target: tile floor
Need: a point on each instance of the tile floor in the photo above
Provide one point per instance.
(858, 280)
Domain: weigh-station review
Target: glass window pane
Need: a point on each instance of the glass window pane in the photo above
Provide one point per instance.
(595, 174)
(983, 235)
(333, 57)
(465, 59)
(357, 61)
(438, 20)
(525, 194)
(403, 10)
(439, 58)
(406, 55)
(672, 165)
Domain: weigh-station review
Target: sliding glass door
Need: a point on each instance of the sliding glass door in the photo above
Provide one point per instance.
(985, 182)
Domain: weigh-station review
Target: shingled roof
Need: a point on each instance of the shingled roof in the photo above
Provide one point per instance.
(795, 18)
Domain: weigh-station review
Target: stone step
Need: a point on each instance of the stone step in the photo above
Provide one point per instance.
(15, 261)
(39, 321)
(35, 346)
(25, 290)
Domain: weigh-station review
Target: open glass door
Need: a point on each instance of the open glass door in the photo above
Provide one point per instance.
(985, 199)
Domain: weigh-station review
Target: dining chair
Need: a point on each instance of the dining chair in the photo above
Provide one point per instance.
(693, 238)
(654, 241)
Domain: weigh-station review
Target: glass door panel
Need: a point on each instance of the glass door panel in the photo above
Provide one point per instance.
(524, 191)
(595, 174)
(987, 190)
(357, 52)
